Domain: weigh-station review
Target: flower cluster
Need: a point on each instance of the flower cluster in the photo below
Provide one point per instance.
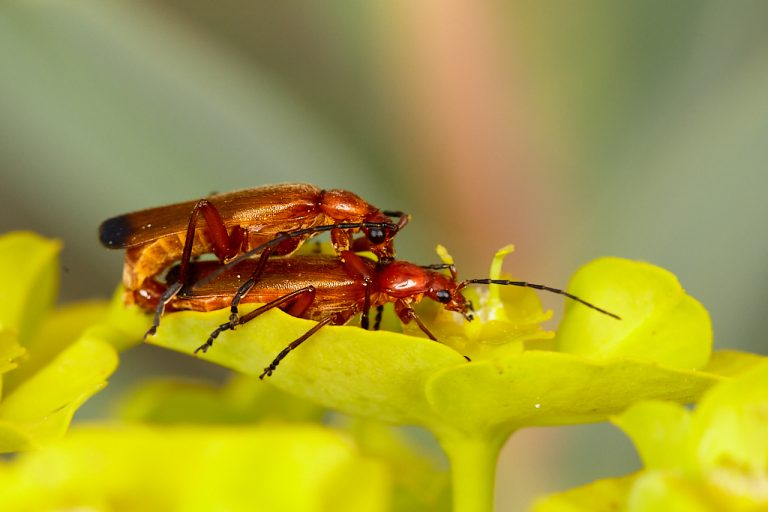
(50, 360)
(191, 446)
(712, 459)
(596, 366)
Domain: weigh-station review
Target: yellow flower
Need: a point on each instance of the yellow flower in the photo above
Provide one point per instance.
(49, 362)
(600, 366)
(708, 460)
(187, 468)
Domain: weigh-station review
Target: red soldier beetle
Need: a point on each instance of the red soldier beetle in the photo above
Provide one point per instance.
(332, 290)
(236, 223)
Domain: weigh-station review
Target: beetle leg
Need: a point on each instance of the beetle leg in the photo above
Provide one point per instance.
(340, 239)
(298, 295)
(302, 303)
(224, 246)
(218, 234)
(421, 324)
(237, 242)
(292, 346)
(360, 244)
(406, 314)
(364, 323)
(247, 286)
(355, 267)
(379, 314)
(217, 231)
(165, 298)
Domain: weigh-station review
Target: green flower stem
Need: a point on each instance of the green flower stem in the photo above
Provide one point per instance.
(473, 469)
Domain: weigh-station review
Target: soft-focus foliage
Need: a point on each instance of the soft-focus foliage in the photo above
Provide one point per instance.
(415, 481)
(50, 362)
(709, 460)
(243, 399)
(196, 469)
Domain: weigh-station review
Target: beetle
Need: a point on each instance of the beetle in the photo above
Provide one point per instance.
(236, 223)
(331, 290)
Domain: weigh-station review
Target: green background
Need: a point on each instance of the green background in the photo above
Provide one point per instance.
(571, 129)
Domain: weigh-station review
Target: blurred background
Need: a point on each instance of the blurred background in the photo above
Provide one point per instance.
(571, 129)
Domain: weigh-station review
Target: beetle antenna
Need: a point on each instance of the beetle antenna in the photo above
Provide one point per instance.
(537, 287)
(405, 218)
(442, 266)
(438, 266)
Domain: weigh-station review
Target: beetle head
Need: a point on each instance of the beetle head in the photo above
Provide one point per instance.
(443, 289)
(403, 280)
(379, 238)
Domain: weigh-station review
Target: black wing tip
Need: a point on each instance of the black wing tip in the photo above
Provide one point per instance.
(114, 232)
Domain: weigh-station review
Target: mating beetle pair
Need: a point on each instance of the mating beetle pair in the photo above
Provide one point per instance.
(252, 234)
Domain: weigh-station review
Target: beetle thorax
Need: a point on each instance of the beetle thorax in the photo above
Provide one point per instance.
(343, 206)
(401, 280)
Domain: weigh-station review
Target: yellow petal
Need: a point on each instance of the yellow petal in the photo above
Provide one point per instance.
(659, 321)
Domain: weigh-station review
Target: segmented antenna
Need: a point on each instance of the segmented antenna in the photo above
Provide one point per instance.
(537, 287)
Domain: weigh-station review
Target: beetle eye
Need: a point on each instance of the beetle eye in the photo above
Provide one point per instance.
(443, 296)
(376, 236)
